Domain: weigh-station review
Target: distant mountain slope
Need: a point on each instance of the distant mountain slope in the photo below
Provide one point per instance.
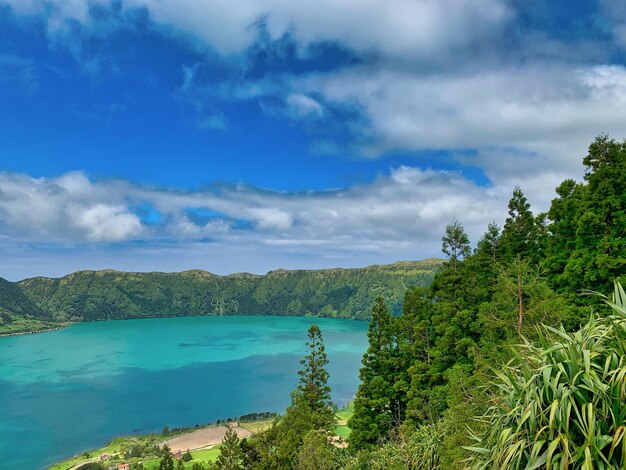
(13, 302)
(18, 314)
(346, 293)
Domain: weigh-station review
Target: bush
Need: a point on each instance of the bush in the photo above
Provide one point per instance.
(562, 403)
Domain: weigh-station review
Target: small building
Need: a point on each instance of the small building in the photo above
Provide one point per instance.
(177, 454)
(104, 457)
(123, 466)
(233, 424)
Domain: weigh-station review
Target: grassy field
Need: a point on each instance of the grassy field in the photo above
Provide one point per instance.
(342, 431)
(119, 445)
(256, 426)
(27, 325)
(343, 415)
(201, 456)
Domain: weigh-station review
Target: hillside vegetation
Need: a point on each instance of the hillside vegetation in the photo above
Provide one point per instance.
(109, 295)
(18, 314)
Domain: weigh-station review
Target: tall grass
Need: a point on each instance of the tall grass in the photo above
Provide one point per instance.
(561, 402)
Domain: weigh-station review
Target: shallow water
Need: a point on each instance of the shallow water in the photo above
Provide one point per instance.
(70, 390)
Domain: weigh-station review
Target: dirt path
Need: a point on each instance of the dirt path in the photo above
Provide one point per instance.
(203, 438)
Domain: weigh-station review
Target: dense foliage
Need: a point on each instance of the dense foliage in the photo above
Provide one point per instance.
(445, 371)
(103, 295)
(561, 402)
(13, 303)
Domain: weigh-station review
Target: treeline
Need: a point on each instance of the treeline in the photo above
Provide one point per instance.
(262, 416)
(104, 295)
(505, 361)
(430, 372)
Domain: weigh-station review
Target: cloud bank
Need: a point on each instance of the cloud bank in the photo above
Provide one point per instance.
(399, 215)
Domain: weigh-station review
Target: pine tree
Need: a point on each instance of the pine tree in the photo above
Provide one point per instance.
(314, 379)
(489, 245)
(417, 313)
(600, 254)
(167, 461)
(230, 453)
(455, 243)
(561, 242)
(310, 408)
(373, 417)
(520, 236)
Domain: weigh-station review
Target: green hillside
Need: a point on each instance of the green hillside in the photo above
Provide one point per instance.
(345, 293)
(18, 314)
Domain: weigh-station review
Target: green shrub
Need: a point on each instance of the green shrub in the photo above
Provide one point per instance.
(562, 403)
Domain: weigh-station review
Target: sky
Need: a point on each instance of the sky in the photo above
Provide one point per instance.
(250, 135)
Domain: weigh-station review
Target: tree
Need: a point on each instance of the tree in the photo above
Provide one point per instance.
(562, 228)
(599, 257)
(417, 313)
(313, 384)
(230, 453)
(167, 461)
(250, 453)
(180, 465)
(455, 243)
(316, 452)
(310, 408)
(373, 416)
(489, 245)
(519, 236)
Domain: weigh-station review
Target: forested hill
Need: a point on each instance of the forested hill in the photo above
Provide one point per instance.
(13, 302)
(344, 293)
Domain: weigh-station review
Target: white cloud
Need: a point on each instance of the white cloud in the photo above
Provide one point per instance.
(397, 216)
(415, 28)
(408, 28)
(271, 218)
(105, 223)
(515, 106)
(523, 121)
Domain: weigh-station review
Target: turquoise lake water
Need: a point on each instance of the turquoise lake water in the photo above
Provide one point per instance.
(70, 390)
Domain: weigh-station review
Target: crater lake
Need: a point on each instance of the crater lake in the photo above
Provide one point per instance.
(66, 391)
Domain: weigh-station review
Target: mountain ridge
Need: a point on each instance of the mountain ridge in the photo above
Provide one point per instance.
(91, 295)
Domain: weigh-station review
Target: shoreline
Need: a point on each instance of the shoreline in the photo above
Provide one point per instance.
(116, 446)
(65, 325)
(46, 330)
(157, 439)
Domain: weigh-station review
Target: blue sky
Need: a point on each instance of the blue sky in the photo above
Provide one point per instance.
(250, 135)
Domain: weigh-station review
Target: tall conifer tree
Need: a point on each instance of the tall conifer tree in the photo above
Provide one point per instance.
(455, 243)
(310, 408)
(373, 417)
(519, 236)
(313, 384)
(230, 457)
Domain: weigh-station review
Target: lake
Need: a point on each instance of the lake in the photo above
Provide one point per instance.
(70, 390)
